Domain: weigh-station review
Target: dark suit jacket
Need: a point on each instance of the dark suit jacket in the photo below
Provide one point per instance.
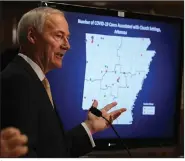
(25, 105)
(8, 55)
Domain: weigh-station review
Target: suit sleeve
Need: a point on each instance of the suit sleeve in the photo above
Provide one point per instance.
(78, 141)
(17, 110)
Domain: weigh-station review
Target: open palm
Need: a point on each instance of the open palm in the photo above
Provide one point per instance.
(97, 124)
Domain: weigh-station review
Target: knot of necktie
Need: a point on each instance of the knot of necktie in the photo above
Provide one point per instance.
(46, 83)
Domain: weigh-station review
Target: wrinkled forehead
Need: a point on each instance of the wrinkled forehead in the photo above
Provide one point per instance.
(56, 22)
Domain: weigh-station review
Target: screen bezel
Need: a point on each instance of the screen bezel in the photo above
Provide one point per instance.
(103, 144)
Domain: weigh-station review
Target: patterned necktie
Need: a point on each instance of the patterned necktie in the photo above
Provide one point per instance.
(48, 90)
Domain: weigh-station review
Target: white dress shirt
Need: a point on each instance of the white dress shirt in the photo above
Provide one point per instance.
(41, 76)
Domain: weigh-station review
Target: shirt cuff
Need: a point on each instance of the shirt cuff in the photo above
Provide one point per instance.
(89, 134)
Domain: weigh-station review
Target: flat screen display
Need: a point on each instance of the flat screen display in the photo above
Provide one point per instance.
(131, 61)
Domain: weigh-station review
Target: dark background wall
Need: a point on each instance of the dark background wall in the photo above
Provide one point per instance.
(11, 12)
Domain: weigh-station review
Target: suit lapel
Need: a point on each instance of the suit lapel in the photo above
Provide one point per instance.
(21, 62)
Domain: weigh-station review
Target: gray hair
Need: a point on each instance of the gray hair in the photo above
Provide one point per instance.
(35, 18)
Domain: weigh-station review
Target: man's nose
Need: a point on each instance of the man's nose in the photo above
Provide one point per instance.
(66, 44)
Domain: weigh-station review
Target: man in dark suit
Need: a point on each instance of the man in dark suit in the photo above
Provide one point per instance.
(26, 101)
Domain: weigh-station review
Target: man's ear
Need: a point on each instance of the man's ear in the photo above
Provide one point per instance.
(32, 35)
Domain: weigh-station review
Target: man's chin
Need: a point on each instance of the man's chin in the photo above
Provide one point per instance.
(56, 66)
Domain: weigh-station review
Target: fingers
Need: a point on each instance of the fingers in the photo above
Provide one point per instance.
(12, 143)
(111, 119)
(17, 140)
(95, 104)
(18, 151)
(9, 132)
(109, 106)
(115, 114)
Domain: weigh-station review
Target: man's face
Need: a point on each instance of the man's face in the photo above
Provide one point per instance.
(53, 43)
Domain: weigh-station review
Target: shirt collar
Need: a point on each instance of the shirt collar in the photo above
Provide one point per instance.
(35, 67)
